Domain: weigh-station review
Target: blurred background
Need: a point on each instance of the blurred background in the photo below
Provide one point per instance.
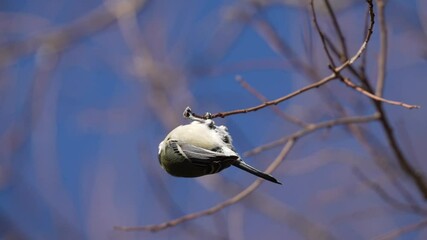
(88, 89)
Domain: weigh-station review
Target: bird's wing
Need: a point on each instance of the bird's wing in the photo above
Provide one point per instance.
(201, 156)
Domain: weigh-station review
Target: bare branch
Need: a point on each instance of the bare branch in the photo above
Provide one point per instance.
(349, 83)
(276, 209)
(368, 34)
(382, 59)
(322, 35)
(407, 168)
(406, 229)
(404, 164)
(311, 128)
(63, 37)
(313, 85)
(363, 61)
(338, 30)
(218, 207)
(279, 100)
(382, 193)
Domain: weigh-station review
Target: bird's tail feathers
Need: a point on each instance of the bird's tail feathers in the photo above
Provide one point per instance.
(246, 167)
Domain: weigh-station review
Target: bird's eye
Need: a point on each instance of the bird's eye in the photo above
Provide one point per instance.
(187, 112)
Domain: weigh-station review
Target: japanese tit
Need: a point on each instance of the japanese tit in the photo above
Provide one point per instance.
(201, 148)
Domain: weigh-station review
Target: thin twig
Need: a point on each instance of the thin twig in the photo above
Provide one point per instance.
(337, 27)
(368, 34)
(313, 85)
(218, 207)
(370, 21)
(311, 128)
(349, 83)
(277, 44)
(403, 162)
(364, 60)
(277, 101)
(321, 34)
(407, 168)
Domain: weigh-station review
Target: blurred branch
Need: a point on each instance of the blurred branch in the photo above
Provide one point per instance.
(276, 209)
(382, 59)
(313, 85)
(263, 99)
(403, 162)
(166, 200)
(366, 139)
(344, 52)
(407, 168)
(385, 196)
(217, 207)
(62, 37)
(279, 100)
(153, 73)
(272, 38)
(311, 128)
(406, 229)
(370, 21)
(342, 56)
(322, 36)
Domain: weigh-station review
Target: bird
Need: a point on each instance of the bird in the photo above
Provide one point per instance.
(201, 148)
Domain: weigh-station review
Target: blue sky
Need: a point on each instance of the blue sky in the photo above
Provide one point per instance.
(80, 126)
